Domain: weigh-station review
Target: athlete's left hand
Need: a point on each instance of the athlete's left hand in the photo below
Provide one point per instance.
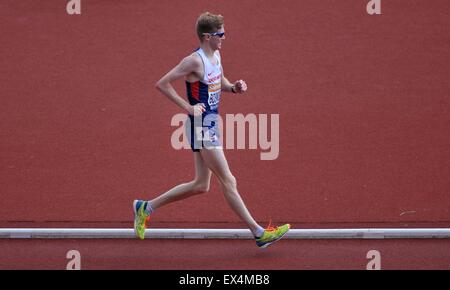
(240, 87)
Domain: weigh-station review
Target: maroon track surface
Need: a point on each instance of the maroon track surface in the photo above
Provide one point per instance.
(363, 104)
(224, 254)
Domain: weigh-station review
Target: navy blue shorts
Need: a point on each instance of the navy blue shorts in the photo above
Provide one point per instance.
(204, 134)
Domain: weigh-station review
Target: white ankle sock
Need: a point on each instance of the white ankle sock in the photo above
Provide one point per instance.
(259, 232)
(148, 208)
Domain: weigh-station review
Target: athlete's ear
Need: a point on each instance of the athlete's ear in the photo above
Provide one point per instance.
(206, 36)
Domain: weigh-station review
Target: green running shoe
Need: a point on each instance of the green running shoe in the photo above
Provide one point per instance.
(141, 218)
(271, 235)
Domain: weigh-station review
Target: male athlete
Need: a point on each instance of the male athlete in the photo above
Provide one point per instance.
(203, 73)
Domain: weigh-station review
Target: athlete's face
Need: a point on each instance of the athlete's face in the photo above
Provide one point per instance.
(215, 39)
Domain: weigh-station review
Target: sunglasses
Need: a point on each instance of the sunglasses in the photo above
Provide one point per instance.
(219, 34)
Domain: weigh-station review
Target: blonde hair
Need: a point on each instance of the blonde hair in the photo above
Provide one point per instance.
(208, 23)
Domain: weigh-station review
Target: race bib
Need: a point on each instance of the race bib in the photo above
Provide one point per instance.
(214, 91)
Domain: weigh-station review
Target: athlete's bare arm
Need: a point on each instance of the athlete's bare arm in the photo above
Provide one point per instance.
(226, 85)
(238, 87)
(191, 68)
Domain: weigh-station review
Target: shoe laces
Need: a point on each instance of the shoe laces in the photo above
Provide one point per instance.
(271, 228)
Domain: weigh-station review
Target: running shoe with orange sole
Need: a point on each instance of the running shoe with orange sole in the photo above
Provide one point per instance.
(141, 218)
(272, 235)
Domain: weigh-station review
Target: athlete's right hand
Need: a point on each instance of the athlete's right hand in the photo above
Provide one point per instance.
(196, 110)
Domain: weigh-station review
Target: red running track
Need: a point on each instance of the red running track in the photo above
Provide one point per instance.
(225, 254)
(363, 104)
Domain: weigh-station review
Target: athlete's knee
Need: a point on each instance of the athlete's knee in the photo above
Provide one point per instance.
(200, 187)
(229, 182)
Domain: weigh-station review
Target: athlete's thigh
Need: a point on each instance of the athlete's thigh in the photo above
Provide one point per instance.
(216, 161)
(202, 171)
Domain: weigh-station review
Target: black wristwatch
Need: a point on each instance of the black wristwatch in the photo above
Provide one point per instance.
(233, 90)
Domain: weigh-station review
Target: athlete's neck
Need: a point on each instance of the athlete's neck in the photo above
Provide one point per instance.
(209, 52)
